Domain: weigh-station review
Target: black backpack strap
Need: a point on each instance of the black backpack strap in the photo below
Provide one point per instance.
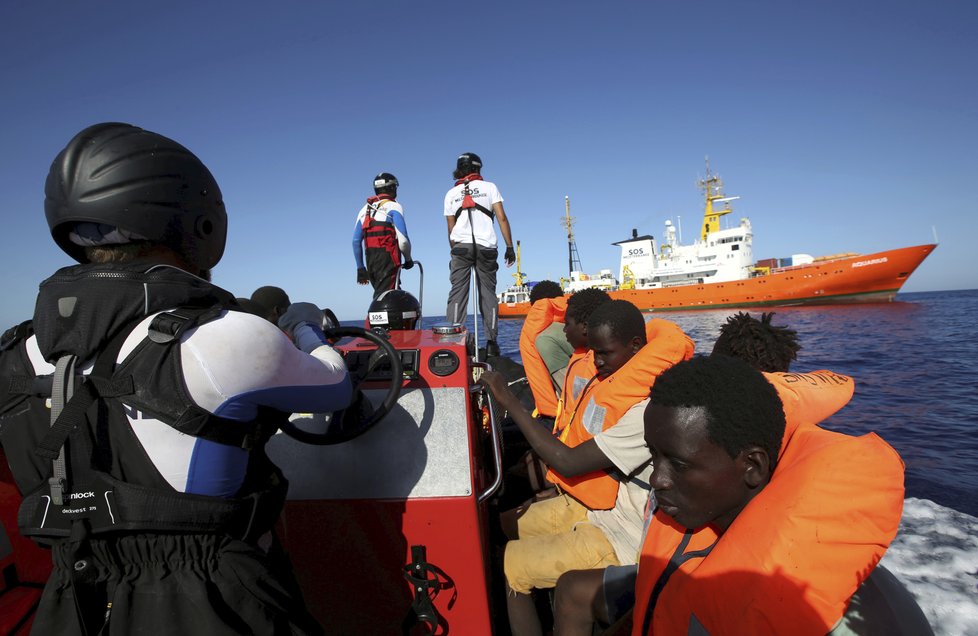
(481, 208)
(167, 328)
(98, 384)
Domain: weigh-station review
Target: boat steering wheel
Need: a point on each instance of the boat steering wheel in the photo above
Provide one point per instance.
(360, 416)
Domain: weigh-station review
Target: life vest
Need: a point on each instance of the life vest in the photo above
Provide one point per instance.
(580, 375)
(88, 465)
(541, 315)
(380, 235)
(794, 556)
(468, 203)
(810, 398)
(608, 401)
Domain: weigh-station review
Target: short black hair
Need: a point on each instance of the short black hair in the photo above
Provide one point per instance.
(758, 342)
(545, 289)
(743, 408)
(582, 302)
(273, 299)
(623, 318)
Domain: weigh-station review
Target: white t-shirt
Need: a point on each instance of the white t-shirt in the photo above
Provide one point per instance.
(624, 444)
(485, 193)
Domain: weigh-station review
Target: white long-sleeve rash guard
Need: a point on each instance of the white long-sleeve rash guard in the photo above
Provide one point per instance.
(231, 366)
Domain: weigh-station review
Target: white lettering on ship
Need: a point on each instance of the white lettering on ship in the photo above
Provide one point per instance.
(872, 261)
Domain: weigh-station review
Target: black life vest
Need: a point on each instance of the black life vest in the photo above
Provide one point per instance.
(379, 235)
(88, 466)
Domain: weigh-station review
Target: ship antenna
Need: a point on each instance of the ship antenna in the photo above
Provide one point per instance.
(573, 258)
(712, 187)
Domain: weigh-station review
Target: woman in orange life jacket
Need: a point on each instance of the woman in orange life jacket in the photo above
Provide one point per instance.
(564, 533)
(750, 536)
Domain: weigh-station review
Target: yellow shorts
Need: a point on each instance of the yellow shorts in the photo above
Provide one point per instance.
(555, 537)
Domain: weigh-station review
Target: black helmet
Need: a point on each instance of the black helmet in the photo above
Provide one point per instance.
(395, 309)
(141, 183)
(386, 183)
(468, 162)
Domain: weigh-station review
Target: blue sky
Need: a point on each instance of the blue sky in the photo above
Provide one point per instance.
(844, 126)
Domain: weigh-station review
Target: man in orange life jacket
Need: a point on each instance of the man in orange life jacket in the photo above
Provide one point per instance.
(584, 597)
(544, 346)
(380, 230)
(553, 338)
(470, 207)
(602, 444)
(766, 523)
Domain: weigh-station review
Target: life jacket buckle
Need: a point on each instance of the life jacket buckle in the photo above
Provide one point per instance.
(57, 487)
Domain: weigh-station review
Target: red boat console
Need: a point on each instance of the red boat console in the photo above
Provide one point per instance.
(388, 530)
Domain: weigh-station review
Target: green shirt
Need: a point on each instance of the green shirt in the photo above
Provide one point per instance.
(555, 350)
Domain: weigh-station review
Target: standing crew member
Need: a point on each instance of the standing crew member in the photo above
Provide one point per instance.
(136, 406)
(380, 228)
(470, 208)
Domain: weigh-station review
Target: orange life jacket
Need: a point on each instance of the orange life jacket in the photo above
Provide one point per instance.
(608, 400)
(541, 315)
(794, 556)
(810, 398)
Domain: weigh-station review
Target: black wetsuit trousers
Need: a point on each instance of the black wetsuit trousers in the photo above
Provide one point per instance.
(170, 584)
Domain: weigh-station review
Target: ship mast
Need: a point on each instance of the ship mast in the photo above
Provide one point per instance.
(573, 258)
(518, 275)
(712, 187)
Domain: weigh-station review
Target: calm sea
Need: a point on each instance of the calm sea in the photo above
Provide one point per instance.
(915, 363)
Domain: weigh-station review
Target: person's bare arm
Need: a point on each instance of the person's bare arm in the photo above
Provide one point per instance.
(497, 209)
(566, 460)
(451, 226)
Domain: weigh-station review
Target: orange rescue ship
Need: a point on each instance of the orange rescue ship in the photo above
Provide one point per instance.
(718, 270)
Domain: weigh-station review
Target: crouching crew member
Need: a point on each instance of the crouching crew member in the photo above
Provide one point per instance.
(136, 406)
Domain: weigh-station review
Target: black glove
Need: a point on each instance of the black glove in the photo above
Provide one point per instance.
(362, 277)
(408, 264)
(510, 255)
(299, 314)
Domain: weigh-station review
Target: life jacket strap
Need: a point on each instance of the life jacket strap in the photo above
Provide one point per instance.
(468, 203)
(679, 556)
(135, 508)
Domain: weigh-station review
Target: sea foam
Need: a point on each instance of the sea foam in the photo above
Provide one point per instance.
(935, 554)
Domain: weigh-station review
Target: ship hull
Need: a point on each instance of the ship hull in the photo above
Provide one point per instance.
(867, 278)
